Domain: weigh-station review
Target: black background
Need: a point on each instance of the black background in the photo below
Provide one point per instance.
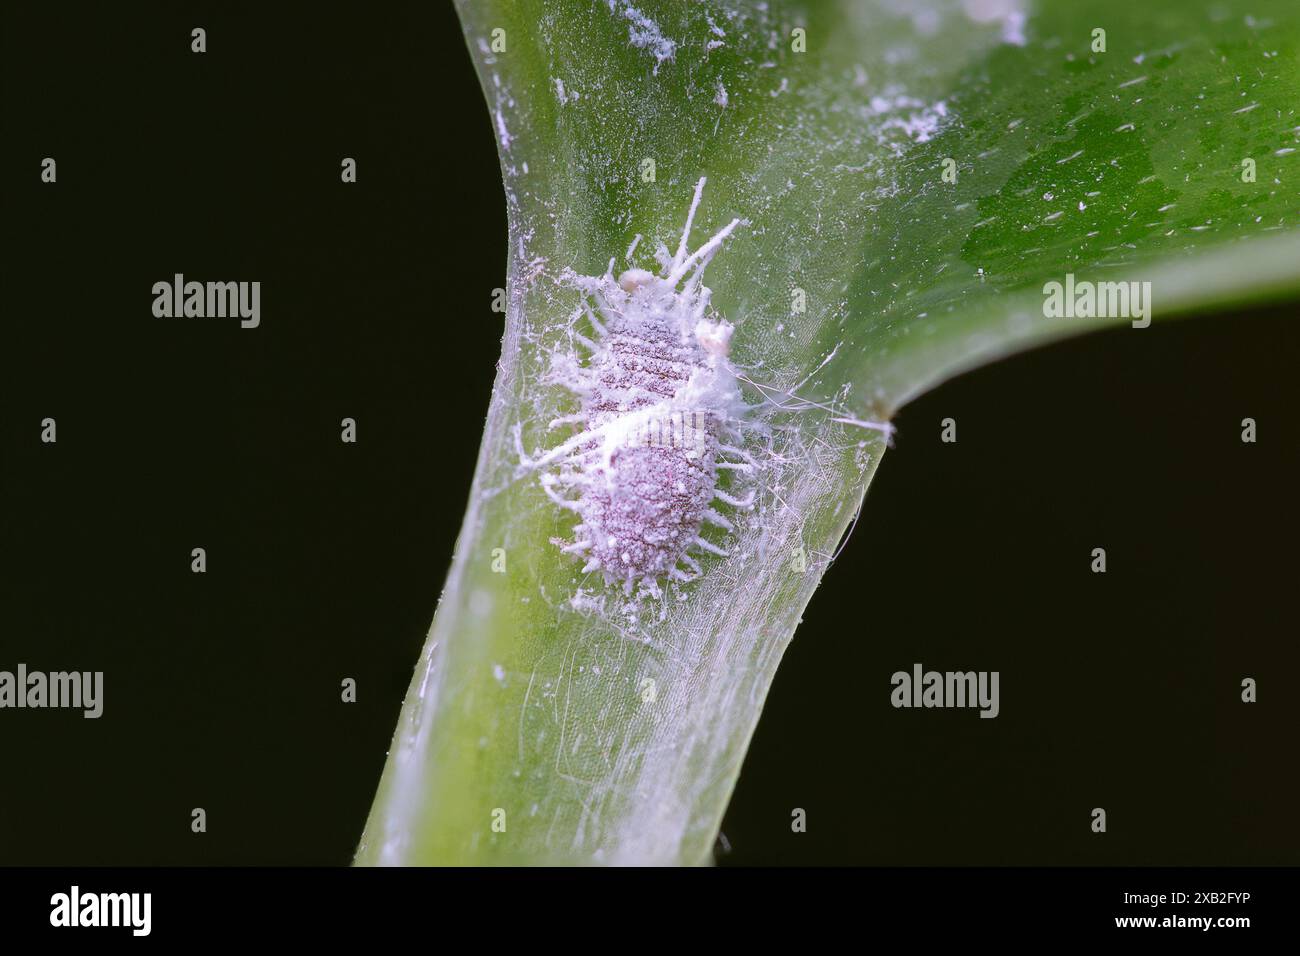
(325, 560)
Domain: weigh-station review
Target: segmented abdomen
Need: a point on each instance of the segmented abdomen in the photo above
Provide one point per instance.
(640, 367)
(641, 523)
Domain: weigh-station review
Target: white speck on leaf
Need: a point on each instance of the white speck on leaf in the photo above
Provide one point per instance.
(502, 133)
(644, 34)
(1009, 14)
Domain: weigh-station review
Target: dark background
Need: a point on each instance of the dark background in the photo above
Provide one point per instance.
(325, 560)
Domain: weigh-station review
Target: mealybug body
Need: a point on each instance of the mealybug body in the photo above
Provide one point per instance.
(658, 421)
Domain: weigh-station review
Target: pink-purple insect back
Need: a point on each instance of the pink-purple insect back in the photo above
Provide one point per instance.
(659, 420)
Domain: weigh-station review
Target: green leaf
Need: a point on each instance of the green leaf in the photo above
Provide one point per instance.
(617, 736)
